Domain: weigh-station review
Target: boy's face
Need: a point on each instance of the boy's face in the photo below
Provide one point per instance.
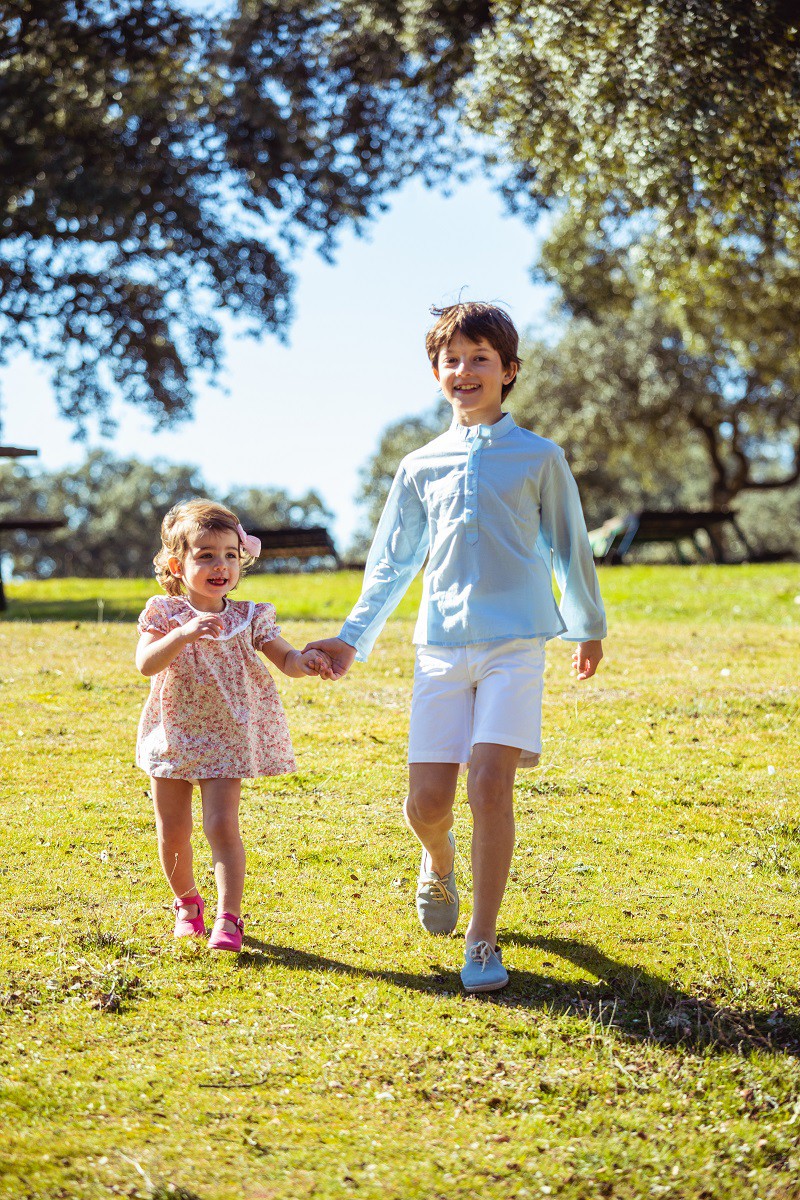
(471, 376)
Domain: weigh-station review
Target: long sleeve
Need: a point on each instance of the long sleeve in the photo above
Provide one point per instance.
(398, 551)
(563, 529)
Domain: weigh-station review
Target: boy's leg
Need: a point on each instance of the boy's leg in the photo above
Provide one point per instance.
(490, 790)
(221, 826)
(172, 803)
(429, 810)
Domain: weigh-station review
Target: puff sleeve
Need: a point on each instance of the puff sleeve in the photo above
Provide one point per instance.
(155, 618)
(264, 626)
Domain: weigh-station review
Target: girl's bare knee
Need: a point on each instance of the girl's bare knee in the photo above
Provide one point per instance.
(221, 831)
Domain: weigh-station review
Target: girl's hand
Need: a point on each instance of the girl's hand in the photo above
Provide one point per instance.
(208, 625)
(341, 655)
(314, 662)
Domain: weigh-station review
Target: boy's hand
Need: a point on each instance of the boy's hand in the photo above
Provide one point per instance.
(586, 659)
(314, 662)
(205, 625)
(341, 655)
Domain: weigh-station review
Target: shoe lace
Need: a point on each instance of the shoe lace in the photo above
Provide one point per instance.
(437, 889)
(481, 952)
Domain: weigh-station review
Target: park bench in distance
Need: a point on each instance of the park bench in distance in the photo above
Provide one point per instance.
(29, 524)
(612, 541)
(311, 541)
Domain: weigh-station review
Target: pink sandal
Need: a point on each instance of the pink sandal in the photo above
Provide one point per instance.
(189, 926)
(220, 938)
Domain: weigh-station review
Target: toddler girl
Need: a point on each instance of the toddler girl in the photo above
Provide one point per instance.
(213, 716)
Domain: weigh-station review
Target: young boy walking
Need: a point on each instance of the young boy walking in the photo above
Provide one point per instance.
(495, 509)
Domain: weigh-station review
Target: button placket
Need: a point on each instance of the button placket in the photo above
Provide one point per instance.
(471, 485)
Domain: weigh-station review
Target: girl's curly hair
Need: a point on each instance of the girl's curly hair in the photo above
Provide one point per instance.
(192, 517)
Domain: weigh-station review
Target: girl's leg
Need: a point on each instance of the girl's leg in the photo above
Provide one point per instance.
(490, 790)
(221, 826)
(172, 801)
(429, 810)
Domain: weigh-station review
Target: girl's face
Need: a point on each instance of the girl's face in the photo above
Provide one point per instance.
(210, 568)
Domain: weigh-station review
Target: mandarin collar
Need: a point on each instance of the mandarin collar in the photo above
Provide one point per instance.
(486, 433)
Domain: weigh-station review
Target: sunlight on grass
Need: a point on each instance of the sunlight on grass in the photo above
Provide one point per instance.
(648, 1042)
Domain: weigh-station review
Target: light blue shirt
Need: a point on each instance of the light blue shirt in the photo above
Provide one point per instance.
(496, 510)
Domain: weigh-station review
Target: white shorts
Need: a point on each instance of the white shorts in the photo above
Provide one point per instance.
(486, 692)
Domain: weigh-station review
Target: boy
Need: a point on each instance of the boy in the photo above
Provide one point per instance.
(492, 506)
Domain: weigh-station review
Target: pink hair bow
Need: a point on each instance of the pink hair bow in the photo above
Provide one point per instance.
(249, 543)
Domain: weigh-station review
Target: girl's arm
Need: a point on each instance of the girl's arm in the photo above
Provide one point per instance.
(156, 651)
(296, 663)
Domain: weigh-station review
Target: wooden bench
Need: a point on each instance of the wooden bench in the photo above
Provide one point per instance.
(29, 525)
(311, 541)
(612, 541)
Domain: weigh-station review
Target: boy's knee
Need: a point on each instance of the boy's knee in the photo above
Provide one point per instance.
(490, 790)
(426, 806)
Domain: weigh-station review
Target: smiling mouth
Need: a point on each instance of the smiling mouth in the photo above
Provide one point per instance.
(217, 582)
(466, 387)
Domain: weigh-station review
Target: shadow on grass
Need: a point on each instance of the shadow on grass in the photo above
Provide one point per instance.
(71, 610)
(626, 1002)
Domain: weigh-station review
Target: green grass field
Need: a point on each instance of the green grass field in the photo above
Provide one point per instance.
(648, 1043)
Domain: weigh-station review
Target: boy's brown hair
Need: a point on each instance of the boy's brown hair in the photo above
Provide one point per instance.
(477, 322)
(193, 516)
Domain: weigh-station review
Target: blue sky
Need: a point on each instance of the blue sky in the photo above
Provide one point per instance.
(309, 413)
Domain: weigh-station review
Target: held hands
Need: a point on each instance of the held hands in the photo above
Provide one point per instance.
(314, 662)
(340, 656)
(586, 659)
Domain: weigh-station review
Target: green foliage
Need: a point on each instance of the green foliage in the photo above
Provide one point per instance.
(114, 508)
(741, 404)
(156, 165)
(377, 474)
(648, 1042)
(600, 392)
(681, 118)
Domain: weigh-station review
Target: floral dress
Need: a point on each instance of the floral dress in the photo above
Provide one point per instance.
(214, 712)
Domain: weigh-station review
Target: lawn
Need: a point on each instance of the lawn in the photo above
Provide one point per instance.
(648, 1044)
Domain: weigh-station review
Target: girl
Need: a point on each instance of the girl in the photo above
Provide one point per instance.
(213, 716)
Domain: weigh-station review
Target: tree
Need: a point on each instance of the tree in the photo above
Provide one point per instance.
(273, 508)
(114, 508)
(600, 392)
(156, 166)
(377, 474)
(741, 406)
(674, 127)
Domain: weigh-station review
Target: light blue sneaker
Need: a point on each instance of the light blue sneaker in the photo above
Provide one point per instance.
(437, 897)
(483, 969)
